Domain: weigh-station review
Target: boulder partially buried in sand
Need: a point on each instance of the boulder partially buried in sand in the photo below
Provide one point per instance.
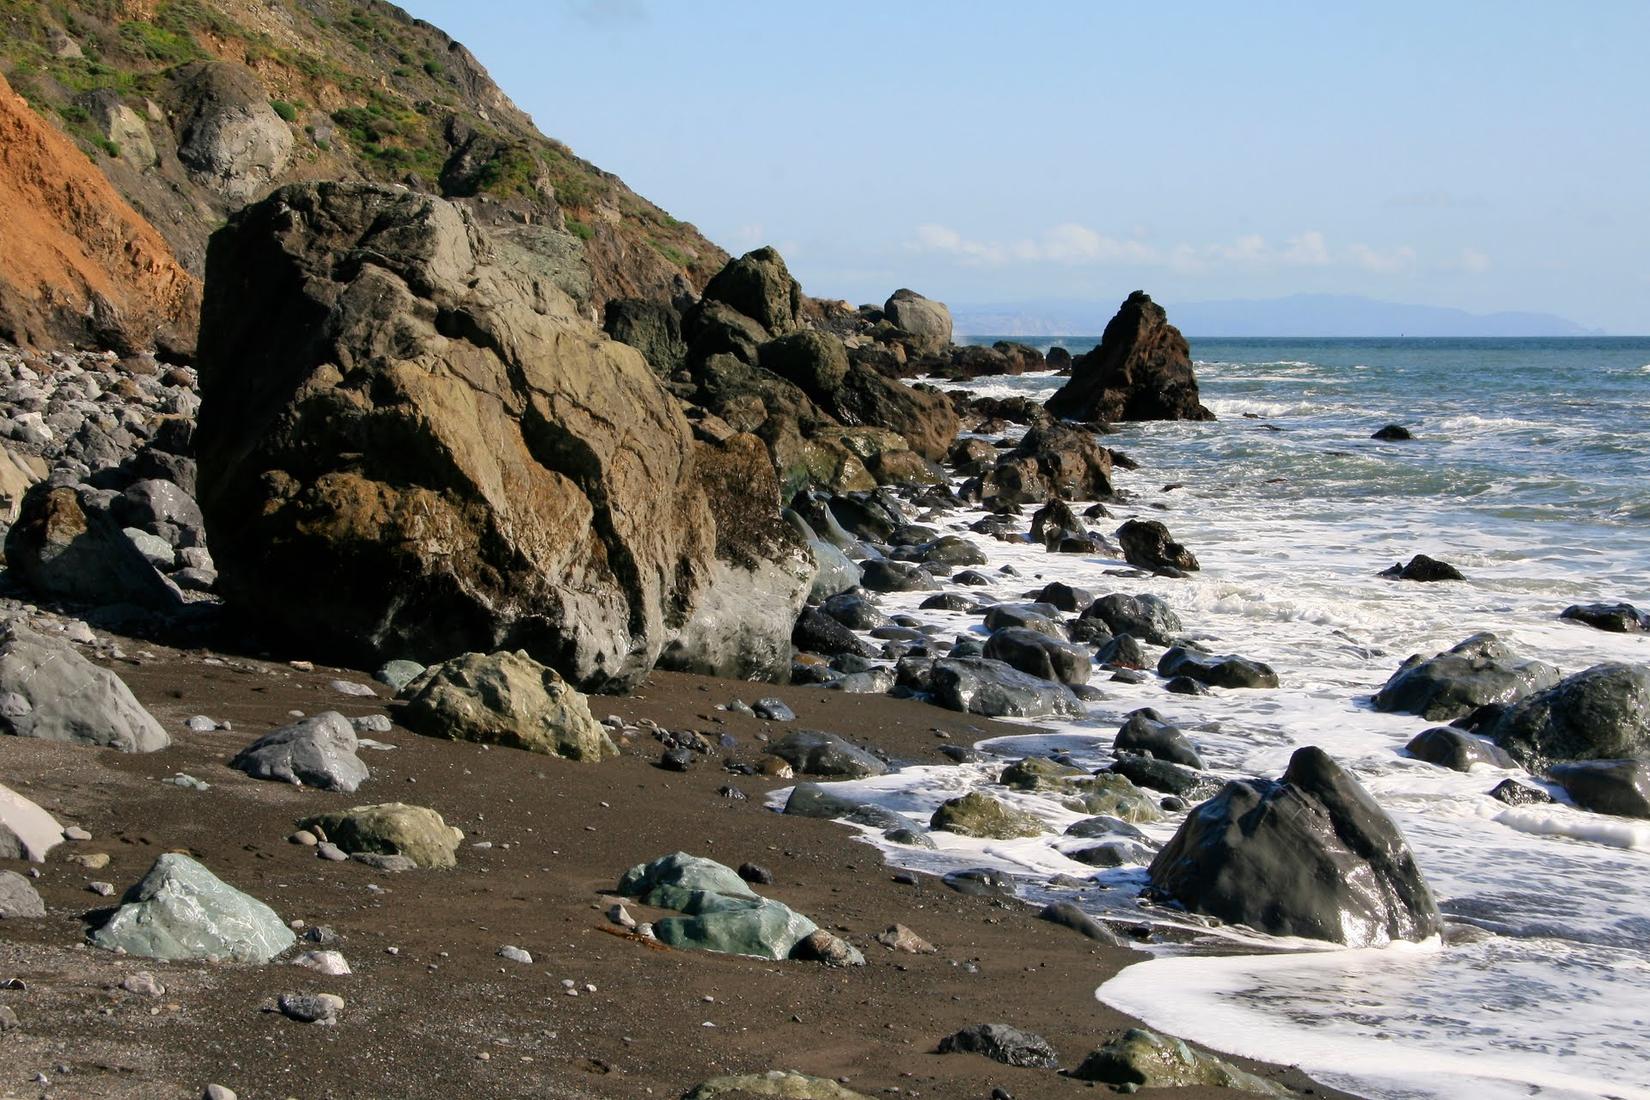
(318, 751)
(1308, 855)
(721, 912)
(391, 829)
(180, 910)
(48, 690)
(505, 699)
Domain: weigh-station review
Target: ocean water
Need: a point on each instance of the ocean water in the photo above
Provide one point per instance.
(1529, 473)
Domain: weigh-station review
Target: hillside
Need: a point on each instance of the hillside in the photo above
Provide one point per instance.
(192, 108)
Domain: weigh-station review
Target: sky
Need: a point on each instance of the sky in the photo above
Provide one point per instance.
(1484, 156)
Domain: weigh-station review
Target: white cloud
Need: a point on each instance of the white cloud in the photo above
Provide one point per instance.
(747, 237)
(1382, 261)
(1472, 260)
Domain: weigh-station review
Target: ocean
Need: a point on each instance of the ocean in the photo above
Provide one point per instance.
(1528, 472)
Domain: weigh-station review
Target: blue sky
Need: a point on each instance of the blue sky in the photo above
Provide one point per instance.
(1487, 156)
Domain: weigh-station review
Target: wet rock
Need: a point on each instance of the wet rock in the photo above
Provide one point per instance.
(1002, 1043)
(947, 601)
(26, 830)
(391, 828)
(1051, 522)
(855, 611)
(1162, 775)
(505, 699)
(773, 710)
(318, 751)
(882, 575)
(1476, 672)
(180, 910)
(1039, 655)
(676, 760)
(1392, 433)
(1185, 685)
(1602, 713)
(1620, 787)
(815, 752)
(1112, 853)
(1103, 825)
(1067, 915)
(18, 898)
(1514, 793)
(1030, 616)
(1148, 545)
(979, 882)
(1423, 568)
(1111, 794)
(48, 690)
(1145, 616)
(1451, 748)
(1140, 370)
(1308, 855)
(1145, 732)
(1039, 773)
(1618, 618)
(979, 815)
(1227, 672)
(813, 800)
(1051, 460)
(876, 681)
(1143, 1059)
(979, 685)
(1123, 651)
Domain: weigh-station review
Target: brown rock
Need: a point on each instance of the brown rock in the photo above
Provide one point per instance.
(1142, 370)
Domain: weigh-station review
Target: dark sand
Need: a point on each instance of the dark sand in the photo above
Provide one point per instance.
(430, 1011)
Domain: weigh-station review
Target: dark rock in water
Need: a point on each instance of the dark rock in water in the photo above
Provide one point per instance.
(1602, 713)
(1141, 370)
(1086, 543)
(1063, 596)
(854, 610)
(813, 800)
(1036, 653)
(1145, 732)
(1228, 672)
(1147, 617)
(947, 601)
(1113, 853)
(817, 632)
(1514, 793)
(1392, 433)
(1184, 685)
(1104, 825)
(1029, 616)
(1309, 855)
(1620, 787)
(1474, 673)
(961, 754)
(1451, 748)
(1067, 915)
(1423, 568)
(1058, 358)
(815, 752)
(1147, 544)
(1618, 618)
(973, 578)
(980, 882)
(949, 550)
(1052, 521)
(1123, 651)
(1161, 775)
(969, 452)
(448, 457)
(1143, 1059)
(882, 575)
(1001, 1043)
(979, 685)
(979, 815)
(1087, 632)
(1051, 460)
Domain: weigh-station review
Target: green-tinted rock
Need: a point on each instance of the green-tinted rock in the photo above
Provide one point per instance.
(1144, 1059)
(684, 872)
(1038, 773)
(392, 829)
(761, 927)
(180, 910)
(980, 815)
(1113, 795)
(505, 699)
(785, 1084)
(398, 674)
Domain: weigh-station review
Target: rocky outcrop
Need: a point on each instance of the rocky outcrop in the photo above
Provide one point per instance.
(927, 321)
(1141, 370)
(1051, 460)
(1310, 854)
(67, 543)
(410, 446)
(231, 141)
(81, 266)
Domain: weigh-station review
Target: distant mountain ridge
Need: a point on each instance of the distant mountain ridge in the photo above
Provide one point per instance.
(1308, 315)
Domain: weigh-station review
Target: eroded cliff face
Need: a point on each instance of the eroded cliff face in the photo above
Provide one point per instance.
(80, 265)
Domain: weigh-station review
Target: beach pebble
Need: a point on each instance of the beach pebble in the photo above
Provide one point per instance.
(515, 954)
(101, 889)
(310, 1008)
(329, 850)
(143, 984)
(330, 963)
(75, 832)
(620, 916)
(900, 938)
(200, 723)
(774, 710)
(219, 1092)
(350, 687)
(92, 861)
(304, 837)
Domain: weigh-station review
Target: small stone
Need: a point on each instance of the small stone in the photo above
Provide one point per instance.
(620, 916)
(383, 861)
(515, 954)
(143, 984)
(219, 1092)
(329, 850)
(900, 938)
(349, 687)
(832, 950)
(330, 963)
(92, 861)
(756, 873)
(774, 710)
(101, 889)
(310, 1008)
(302, 666)
(8, 1018)
(322, 934)
(676, 760)
(200, 723)
(75, 832)
(305, 838)
(732, 793)
(372, 723)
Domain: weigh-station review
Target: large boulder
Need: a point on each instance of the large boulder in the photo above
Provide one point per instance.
(979, 685)
(1308, 855)
(411, 445)
(1470, 674)
(318, 751)
(180, 910)
(1051, 460)
(48, 690)
(1034, 652)
(1141, 370)
(1227, 671)
(1141, 1059)
(391, 829)
(979, 815)
(721, 912)
(505, 699)
(230, 138)
(1602, 713)
(1147, 544)
(1620, 787)
(26, 830)
(1144, 732)
(927, 320)
(1145, 616)
(760, 287)
(68, 544)
(815, 752)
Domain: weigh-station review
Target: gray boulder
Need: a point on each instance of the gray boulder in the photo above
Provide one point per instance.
(1162, 775)
(180, 910)
(1455, 749)
(817, 632)
(1308, 855)
(721, 912)
(1602, 713)
(48, 690)
(66, 543)
(1147, 617)
(505, 699)
(882, 575)
(1036, 653)
(854, 610)
(1620, 787)
(231, 140)
(1002, 1043)
(1145, 732)
(813, 800)
(924, 318)
(318, 751)
(979, 685)
(18, 898)
(815, 752)
(26, 830)
(1227, 672)
(1469, 675)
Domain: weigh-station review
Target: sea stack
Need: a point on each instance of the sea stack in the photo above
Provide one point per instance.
(1142, 370)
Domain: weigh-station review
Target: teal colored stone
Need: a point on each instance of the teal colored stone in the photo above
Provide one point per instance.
(764, 928)
(687, 872)
(180, 910)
